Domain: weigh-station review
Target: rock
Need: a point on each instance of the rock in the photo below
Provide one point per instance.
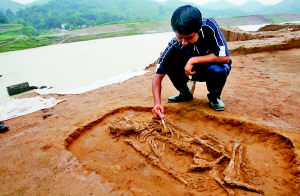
(19, 88)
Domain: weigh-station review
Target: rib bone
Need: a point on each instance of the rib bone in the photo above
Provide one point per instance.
(155, 148)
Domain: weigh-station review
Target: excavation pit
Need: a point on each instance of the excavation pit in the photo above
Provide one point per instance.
(201, 154)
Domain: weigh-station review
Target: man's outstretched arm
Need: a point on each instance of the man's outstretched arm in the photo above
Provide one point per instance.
(156, 91)
(210, 58)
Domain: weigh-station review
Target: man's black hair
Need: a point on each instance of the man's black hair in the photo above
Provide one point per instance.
(186, 19)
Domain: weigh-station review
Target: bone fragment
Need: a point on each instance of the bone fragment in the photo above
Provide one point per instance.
(136, 147)
(209, 146)
(124, 126)
(236, 183)
(155, 148)
(145, 134)
(202, 164)
(232, 171)
(214, 174)
(239, 163)
(218, 144)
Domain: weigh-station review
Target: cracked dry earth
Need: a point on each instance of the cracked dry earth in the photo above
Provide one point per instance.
(200, 156)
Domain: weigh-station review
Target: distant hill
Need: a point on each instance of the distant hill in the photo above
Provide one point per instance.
(44, 14)
(252, 7)
(39, 2)
(221, 8)
(8, 4)
(286, 6)
(95, 12)
(15, 6)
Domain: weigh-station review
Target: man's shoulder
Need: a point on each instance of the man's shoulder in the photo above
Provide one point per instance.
(174, 43)
(209, 22)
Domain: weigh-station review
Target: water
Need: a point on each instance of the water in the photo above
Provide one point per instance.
(256, 27)
(75, 65)
(250, 27)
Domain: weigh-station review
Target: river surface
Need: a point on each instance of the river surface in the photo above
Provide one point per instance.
(66, 67)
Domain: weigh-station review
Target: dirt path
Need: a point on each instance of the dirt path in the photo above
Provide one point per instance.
(104, 142)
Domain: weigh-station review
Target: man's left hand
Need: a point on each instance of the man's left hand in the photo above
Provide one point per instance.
(188, 69)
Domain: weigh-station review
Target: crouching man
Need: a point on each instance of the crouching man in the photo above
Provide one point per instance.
(198, 51)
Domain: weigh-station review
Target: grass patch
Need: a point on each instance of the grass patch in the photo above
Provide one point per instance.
(118, 34)
(9, 35)
(10, 26)
(151, 26)
(276, 19)
(123, 22)
(24, 43)
(81, 38)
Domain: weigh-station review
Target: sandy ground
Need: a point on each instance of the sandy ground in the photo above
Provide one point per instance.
(104, 142)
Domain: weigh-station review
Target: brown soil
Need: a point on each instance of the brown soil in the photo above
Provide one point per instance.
(276, 27)
(104, 142)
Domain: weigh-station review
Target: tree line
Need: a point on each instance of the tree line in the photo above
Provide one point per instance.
(88, 12)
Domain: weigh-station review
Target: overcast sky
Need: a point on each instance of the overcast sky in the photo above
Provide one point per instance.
(24, 1)
(238, 2)
(199, 2)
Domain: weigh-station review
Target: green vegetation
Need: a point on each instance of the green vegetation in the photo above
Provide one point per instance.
(11, 32)
(151, 26)
(118, 34)
(93, 12)
(276, 19)
(8, 35)
(81, 38)
(27, 42)
(18, 37)
(3, 19)
(9, 26)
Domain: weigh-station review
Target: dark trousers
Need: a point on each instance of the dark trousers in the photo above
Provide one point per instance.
(214, 75)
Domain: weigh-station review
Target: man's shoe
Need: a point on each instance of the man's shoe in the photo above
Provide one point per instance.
(216, 103)
(181, 97)
(3, 127)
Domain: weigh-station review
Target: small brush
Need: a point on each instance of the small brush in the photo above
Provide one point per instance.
(166, 130)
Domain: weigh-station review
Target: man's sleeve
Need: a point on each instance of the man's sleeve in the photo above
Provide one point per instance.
(218, 37)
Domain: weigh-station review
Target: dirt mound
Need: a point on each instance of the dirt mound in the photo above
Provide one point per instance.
(208, 156)
(232, 34)
(277, 27)
(271, 44)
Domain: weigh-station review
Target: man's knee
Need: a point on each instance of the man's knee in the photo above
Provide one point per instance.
(217, 71)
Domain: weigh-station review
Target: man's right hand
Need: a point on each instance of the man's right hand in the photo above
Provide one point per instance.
(158, 111)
